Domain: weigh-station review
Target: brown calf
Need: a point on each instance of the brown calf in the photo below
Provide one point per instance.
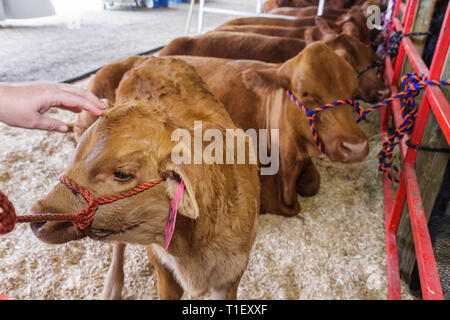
(281, 22)
(254, 94)
(232, 45)
(321, 32)
(307, 12)
(352, 21)
(130, 144)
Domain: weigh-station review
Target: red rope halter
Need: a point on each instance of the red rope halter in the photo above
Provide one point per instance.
(82, 219)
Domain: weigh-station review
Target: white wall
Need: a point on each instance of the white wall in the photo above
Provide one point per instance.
(2, 13)
(24, 9)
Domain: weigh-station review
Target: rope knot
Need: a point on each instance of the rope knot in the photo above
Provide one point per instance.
(87, 215)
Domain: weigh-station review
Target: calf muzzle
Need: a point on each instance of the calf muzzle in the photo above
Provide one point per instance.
(75, 226)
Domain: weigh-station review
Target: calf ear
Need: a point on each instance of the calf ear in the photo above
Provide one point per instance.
(265, 79)
(323, 26)
(173, 174)
(85, 119)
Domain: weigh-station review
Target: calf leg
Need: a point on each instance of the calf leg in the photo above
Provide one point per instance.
(113, 285)
(309, 182)
(286, 180)
(168, 287)
(273, 200)
(226, 293)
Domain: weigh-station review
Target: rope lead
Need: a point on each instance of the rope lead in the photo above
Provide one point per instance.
(82, 219)
(412, 84)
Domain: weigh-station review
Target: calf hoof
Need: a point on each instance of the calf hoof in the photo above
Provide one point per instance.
(281, 209)
(308, 184)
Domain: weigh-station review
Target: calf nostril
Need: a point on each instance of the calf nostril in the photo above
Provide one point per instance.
(346, 147)
(383, 93)
(353, 148)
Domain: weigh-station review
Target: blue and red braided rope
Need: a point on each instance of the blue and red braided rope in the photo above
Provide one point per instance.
(412, 84)
(311, 115)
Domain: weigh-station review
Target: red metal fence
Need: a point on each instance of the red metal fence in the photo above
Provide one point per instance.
(408, 188)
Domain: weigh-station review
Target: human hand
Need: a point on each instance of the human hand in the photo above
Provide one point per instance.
(23, 105)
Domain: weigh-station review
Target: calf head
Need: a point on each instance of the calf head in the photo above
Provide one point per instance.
(354, 23)
(129, 145)
(370, 88)
(317, 76)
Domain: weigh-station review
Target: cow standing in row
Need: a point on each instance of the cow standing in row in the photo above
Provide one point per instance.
(351, 22)
(254, 94)
(233, 45)
(270, 5)
(320, 32)
(279, 41)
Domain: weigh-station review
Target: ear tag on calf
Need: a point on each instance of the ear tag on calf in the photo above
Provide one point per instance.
(172, 218)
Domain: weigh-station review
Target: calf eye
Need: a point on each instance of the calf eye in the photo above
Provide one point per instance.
(119, 176)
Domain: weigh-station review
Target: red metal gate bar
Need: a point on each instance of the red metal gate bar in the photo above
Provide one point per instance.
(393, 270)
(408, 19)
(393, 274)
(444, 39)
(408, 188)
(441, 109)
(429, 278)
(414, 57)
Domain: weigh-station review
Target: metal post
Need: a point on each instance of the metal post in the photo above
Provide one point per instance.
(258, 6)
(200, 16)
(203, 9)
(188, 23)
(320, 8)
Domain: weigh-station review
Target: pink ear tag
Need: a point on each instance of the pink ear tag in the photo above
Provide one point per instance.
(170, 224)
